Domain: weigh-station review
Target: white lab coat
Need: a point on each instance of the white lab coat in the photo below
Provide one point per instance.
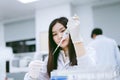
(107, 51)
(86, 60)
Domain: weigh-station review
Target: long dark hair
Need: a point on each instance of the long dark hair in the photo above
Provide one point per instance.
(52, 59)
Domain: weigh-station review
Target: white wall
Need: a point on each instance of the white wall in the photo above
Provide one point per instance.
(107, 17)
(2, 40)
(46, 15)
(19, 30)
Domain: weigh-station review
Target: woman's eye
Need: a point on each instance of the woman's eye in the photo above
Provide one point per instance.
(62, 30)
(54, 34)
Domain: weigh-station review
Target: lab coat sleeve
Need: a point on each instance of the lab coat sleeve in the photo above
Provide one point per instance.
(42, 76)
(89, 59)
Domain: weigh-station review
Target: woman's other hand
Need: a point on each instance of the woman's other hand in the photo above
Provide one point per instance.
(35, 67)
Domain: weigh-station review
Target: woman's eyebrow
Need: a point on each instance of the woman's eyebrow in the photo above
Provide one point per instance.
(62, 28)
(59, 29)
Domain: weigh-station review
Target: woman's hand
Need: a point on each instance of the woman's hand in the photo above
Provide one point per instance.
(35, 67)
(74, 28)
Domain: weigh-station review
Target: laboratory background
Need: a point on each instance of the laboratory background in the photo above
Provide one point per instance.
(24, 28)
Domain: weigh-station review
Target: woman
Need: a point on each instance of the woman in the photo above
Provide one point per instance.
(63, 58)
(56, 31)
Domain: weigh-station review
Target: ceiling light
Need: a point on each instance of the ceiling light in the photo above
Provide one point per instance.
(27, 1)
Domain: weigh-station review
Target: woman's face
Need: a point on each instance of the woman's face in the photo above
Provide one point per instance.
(57, 32)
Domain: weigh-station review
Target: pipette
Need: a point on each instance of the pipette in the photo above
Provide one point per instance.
(66, 33)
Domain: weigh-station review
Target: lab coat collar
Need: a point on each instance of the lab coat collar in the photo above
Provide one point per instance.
(99, 36)
(60, 58)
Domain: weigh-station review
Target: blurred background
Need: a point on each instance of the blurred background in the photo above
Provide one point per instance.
(24, 28)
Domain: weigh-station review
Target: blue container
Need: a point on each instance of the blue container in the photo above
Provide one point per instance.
(58, 78)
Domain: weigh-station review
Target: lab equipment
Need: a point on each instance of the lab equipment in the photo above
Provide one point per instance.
(88, 73)
(58, 78)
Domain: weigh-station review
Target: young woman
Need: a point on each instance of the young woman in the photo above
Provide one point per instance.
(63, 58)
(66, 49)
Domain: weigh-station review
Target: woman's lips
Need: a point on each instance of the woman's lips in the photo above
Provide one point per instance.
(61, 42)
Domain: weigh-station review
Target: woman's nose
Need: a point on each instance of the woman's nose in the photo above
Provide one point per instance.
(60, 35)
